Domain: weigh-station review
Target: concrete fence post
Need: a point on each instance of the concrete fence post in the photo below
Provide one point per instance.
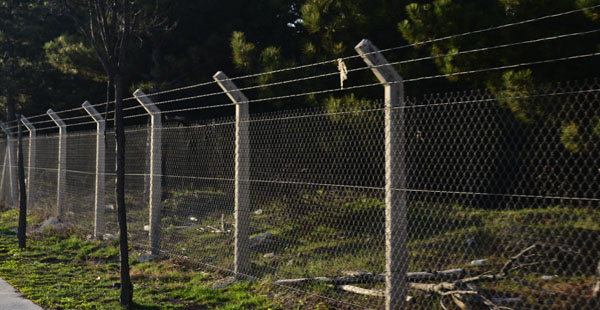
(30, 162)
(11, 162)
(100, 166)
(3, 196)
(3, 176)
(242, 175)
(155, 190)
(62, 164)
(396, 290)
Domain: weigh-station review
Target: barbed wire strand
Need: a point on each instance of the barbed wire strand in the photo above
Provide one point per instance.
(503, 26)
(355, 56)
(376, 84)
(368, 85)
(503, 67)
(354, 111)
(335, 73)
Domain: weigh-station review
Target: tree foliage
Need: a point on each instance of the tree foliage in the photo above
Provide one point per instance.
(429, 20)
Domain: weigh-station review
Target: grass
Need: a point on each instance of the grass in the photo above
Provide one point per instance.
(67, 272)
(318, 233)
(323, 233)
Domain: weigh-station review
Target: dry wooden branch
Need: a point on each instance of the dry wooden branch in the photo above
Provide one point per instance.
(367, 277)
(365, 291)
(361, 291)
(463, 291)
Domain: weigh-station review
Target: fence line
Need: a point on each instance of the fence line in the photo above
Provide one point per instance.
(351, 204)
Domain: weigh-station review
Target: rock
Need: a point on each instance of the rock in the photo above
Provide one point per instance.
(144, 258)
(258, 212)
(261, 241)
(219, 284)
(51, 223)
(147, 227)
(109, 207)
(108, 236)
(269, 255)
(478, 262)
(470, 242)
(547, 277)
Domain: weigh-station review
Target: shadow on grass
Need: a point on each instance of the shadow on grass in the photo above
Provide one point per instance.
(136, 306)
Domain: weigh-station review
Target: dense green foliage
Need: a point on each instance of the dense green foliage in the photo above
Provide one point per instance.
(46, 63)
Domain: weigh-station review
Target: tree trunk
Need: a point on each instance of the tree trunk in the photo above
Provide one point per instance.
(126, 286)
(110, 85)
(10, 100)
(23, 195)
(10, 108)
(155, 68)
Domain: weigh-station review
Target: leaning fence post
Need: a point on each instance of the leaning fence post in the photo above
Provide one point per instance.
(30, 162)
(395, 176)
(242, 175)
(100, 176)
(12, 182)
(155, 190)
(62, 163)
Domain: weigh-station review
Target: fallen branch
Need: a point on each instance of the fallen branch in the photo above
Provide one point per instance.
(465, 294)
(461, 289)
(361, 291)
(367, 277)
(364, 291)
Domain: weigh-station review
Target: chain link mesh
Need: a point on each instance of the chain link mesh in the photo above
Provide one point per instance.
(500, 184)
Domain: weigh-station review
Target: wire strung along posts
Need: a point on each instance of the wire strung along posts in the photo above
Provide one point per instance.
(242, 175)
(395, 177)
(62, 163)
(30, 162)
(155, 191)
(9, 166)
(99, 175)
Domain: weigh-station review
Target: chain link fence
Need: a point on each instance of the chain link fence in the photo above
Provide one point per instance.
(501, 198)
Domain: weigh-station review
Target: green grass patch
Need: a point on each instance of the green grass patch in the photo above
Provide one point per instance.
(71, 273)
